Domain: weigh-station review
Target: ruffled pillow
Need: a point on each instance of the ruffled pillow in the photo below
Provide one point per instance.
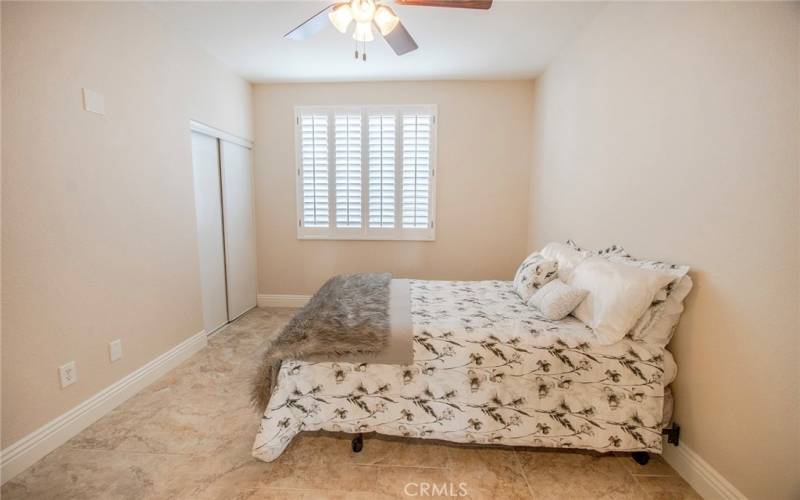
(567, 255)
(534, 272)
(659, 322)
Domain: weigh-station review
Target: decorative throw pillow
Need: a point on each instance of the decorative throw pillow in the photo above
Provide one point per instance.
(604, 252)
(616, 253)
(567, 255)
(557, 299)
(675, 270)
(658, 323)
(534, 272)
(613, 250)
(618, 296)
(578, 248)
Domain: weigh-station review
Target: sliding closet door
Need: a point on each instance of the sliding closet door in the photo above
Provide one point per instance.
(208, 203)
(240, 240)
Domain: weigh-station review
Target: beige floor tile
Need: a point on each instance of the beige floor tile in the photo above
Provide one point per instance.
(71, 473)
(331, 476)
(657, 466)
(395, 482)
(380, 450)
(313, 446)
(667, 488)
(577, 475)
(488, 472)
(270, 493)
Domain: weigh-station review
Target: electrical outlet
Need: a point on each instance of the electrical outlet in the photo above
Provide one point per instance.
(68, 374)
(115, 349)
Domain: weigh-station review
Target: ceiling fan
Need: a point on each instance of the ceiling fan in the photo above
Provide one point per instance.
(370, 15)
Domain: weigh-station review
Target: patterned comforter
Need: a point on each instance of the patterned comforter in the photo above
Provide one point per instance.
(487, 369)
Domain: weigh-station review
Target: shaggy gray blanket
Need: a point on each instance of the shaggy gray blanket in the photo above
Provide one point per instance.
(348, 315)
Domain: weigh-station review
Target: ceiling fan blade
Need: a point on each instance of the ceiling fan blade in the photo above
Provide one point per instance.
(400, 40)
(458, 4)
(310, 26)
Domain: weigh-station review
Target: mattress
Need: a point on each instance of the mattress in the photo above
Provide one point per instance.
(487, 369)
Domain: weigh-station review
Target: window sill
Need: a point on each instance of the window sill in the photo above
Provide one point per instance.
(420, 235)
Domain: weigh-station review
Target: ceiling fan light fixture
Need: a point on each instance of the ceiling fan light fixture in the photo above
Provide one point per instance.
(385, 19)
(363, 10)
(341, 17)
(363, 32)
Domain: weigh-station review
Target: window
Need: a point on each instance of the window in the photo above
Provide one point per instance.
(366, 172)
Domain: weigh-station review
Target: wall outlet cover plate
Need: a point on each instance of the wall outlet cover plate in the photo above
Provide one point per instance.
(115, 349)
(68, 373)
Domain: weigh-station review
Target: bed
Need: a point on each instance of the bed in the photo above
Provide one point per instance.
(486, 369)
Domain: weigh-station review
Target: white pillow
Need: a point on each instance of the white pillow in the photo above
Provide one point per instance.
(618, 296)
(658, 323)
(566, 256)
(534, 272)
(557, 299)
(679, 272)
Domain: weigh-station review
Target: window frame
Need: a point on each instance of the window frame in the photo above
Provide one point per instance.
(397, 233)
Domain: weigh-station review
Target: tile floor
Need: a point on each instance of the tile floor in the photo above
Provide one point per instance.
(189, 434)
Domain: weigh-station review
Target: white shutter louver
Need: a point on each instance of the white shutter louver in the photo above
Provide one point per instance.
(314, 172)
(381, 194)
(416, 170)
(348, 170)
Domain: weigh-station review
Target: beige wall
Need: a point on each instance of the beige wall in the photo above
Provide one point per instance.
(98, 213)
(673, 130)
(483, 166)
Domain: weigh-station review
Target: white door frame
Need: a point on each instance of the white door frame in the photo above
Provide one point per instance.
(201, 127)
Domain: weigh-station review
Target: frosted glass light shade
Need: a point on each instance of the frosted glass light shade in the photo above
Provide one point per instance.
(363, 10)
(341, 17)
(385, 19)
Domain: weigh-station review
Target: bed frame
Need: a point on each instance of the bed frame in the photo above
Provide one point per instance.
(672, 432)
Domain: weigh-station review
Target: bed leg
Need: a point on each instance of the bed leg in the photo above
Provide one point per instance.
(641, 457)
(358, 443)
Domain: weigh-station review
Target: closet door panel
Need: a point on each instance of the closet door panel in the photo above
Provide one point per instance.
(239, 227)
(208, 204)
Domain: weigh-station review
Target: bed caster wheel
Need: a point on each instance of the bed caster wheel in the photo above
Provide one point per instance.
(641, 457)
(358, 443)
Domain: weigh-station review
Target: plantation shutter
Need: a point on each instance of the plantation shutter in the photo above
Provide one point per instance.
(381, 192)
(348, 170)
(416, 170)
(366, 172)
(314, 171)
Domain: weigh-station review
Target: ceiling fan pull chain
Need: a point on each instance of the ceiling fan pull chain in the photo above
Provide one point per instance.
(356, 50)
(364, 55)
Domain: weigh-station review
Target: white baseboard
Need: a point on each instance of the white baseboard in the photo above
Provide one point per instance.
(700, 474)
(281, 300)
(28, 450)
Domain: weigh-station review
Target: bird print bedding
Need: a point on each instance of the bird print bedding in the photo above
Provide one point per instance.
(487, 369)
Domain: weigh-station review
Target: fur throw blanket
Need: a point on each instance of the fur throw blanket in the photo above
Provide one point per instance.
(348, 315)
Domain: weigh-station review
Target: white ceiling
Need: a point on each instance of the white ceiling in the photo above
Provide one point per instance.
(514, 39)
